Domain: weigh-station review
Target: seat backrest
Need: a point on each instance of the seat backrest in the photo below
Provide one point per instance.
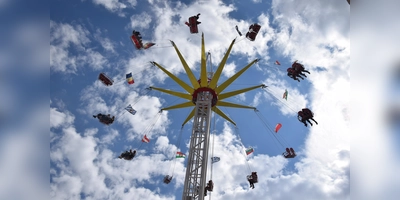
(193, 24)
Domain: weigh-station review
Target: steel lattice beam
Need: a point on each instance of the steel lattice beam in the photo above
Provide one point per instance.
(196, 170)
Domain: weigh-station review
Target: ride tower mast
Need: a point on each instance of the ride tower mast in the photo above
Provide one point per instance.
(204, 96)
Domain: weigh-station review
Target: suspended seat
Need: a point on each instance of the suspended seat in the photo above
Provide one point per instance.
(167, 179)
(253, 31)
(137, 39)
(128, 155)
(105, 79)
(289, 153)
(193, 24)
(210, 186)
(298, 67)
(105, 119)
(253, 178)
(306, 115)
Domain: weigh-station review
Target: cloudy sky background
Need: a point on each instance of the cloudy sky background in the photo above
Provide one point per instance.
(95, 38)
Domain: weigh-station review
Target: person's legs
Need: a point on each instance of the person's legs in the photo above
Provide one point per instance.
(304, 122)
(309, 122)
(314, 120)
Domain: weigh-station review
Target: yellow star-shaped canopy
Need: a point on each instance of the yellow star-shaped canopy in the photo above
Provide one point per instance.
(204, 84)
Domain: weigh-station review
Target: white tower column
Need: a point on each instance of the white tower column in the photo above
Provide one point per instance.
(196, 169)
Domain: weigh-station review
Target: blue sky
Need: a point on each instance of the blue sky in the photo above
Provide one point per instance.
(86, 37)
(90, 37)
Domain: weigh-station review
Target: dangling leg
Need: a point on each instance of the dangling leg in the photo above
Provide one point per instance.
(309, 122)
(301, 74)
(306, 71)
(314, 120)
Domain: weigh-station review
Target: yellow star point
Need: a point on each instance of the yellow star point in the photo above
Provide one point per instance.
(203, 83)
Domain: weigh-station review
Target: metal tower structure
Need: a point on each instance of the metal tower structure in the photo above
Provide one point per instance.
(204, 96)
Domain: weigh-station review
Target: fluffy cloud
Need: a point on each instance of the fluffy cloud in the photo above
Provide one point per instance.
(321, 170)
(84, 167)
(65, 38)
(112, 5)
(141, 21)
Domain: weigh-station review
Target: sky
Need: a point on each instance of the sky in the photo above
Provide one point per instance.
(92, 36)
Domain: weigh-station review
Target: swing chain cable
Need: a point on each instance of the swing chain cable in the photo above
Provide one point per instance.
(119, 82)
(268, 127)
(270, 92)
(145, 68)
(178, 146)
(212, 147)
(211, 67)
(278, 99)
(212, 150)
(149, 128)
(241, 39)
(122, 113)
(241, 143)
(162, 45)
(147, 92)
(277, 135)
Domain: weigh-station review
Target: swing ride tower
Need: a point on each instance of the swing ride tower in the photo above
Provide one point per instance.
(205, 96)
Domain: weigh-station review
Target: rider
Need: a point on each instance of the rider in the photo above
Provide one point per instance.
(128, 155)
(299, 67)
(293, 74)
(309, 115)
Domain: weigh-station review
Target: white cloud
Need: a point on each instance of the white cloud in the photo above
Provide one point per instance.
(93, 59)
(24, 165)
(140, 21)
(322, 169)
(114, 6)
(295, 101)
(315, 178)
(97, 172)
(109, 138)
(64, 38)
(229, 70)
(107, 45)
(58, 119)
